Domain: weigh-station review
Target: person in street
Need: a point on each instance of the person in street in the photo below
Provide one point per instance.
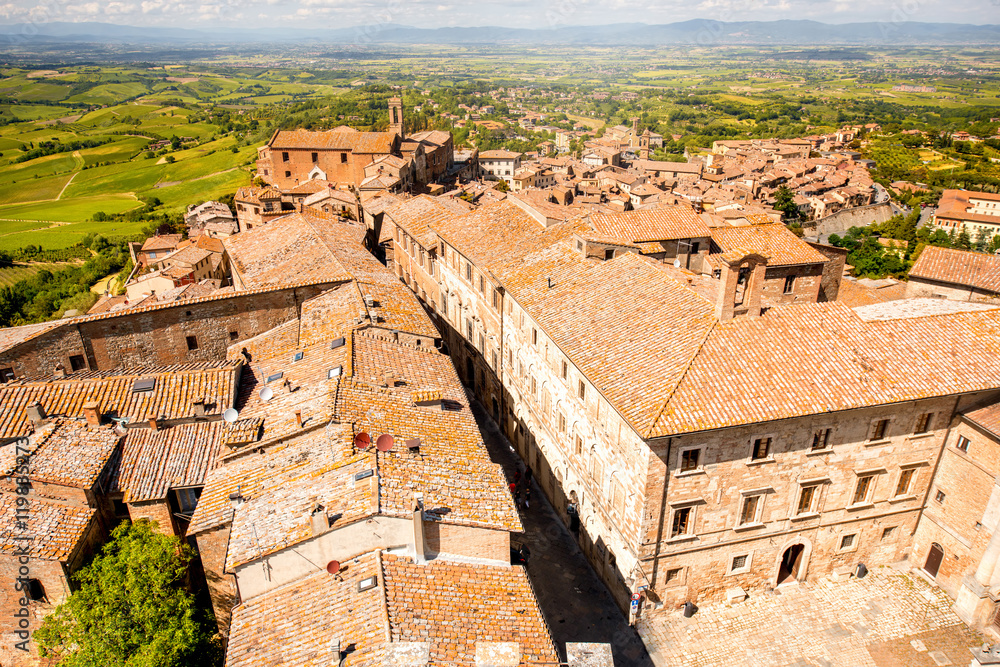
(527, 496)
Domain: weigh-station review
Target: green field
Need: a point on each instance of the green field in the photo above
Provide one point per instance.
(11, 274)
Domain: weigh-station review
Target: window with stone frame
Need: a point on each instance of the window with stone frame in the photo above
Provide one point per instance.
(863, 488)
(690, 459)
(808, 499)
(578, 448)
(963, 443)
(751, 509)
(904, 482)
(923, 423)
(880, 430)
(682, 521)
(761, 448)
(821, 439)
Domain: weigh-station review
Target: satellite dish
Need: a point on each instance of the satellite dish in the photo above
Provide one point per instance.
(385, 442)
(333, 567)
(677, 263)
(266, 393)
(362, 440)
(231, 415)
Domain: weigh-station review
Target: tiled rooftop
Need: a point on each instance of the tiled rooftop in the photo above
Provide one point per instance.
(357, 142)
(65, 452)
(772, 239)
(449, 605)
(416, 216)
(153, 462)
(654, 224)
(816, 358)
(971, 269)
(286, 250)
(988, 417)
(55, 528)
(172, 396)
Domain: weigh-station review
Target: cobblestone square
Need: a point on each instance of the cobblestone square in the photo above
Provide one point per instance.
(891, 618)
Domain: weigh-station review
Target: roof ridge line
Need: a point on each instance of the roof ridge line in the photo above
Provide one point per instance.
(687, 367)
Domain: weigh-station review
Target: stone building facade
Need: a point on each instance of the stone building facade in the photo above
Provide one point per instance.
(684, 428)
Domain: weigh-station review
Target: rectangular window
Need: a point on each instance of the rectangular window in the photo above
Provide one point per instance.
(482, 343)
(923, 423)
(789, 284)
(939, 497)
(77, 362)
(496, 300)
(534, 336)
(847, 541)
(690, 459)
(233, 335)
(315, 158)
(288, 174)
(806, 498)
(739, 563)
(582, 392)
(468, 272)
(482, 286)
(343, 158)
(963, 443)
(821, 439)
(495, 359)
(903, 485)
(192, 342)
(579, 446)
(562, 423)
(887, 532)
(565, 370)
(284, 157)
(880, 429)
(761, 448)
(681, 524)
(863, 489)
(468, 329)
(673, 576)
(751, 507)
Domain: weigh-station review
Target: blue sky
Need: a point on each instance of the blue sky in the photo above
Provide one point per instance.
(512, 13)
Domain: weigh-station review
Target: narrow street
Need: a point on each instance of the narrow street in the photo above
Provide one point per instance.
(576, 605)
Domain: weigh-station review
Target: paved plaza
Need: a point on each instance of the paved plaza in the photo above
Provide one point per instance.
(891, 618)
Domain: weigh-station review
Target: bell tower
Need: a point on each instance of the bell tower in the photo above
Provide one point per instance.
(396, 116)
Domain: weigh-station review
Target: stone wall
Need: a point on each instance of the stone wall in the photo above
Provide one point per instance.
(187, 332)
(698, 564)
(841, 221)
(212, 545)
(833, 271)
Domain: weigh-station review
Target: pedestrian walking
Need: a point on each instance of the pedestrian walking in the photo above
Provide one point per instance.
(527, 497)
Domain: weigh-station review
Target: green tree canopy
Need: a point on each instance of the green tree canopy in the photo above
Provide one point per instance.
(131, 609)
(784, 202)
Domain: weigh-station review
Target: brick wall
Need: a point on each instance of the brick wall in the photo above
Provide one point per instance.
(300, 163)
(467, 541)
(161, 336)
(39, 356)
(806, 281)
(157, 511)
(716, 491)
(833, 271)
(212, 545)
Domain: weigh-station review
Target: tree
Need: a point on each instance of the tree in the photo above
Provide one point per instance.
(131, 608)
(784, 202)
(502, 186)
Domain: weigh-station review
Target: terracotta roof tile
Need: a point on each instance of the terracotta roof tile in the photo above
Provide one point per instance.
(153, 462)
(356, 142)
(55, 528)
(774, 240)
(959, 267)
(65, 452)
(654, 224)
(176, 388)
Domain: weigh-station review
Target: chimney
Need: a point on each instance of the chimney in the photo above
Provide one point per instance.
(407, 654)
(318, 521)
(741, 285)
(153, 424)
(60, 371)
(418, 530)
(585, 654)
(198, 406)
(92, 413)
(298, 418)
(498, 654)
(35, 413)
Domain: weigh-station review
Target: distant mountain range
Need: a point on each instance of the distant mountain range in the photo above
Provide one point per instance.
(696, 32)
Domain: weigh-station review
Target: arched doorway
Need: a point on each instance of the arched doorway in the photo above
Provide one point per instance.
(791, 564)
(934, 557)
